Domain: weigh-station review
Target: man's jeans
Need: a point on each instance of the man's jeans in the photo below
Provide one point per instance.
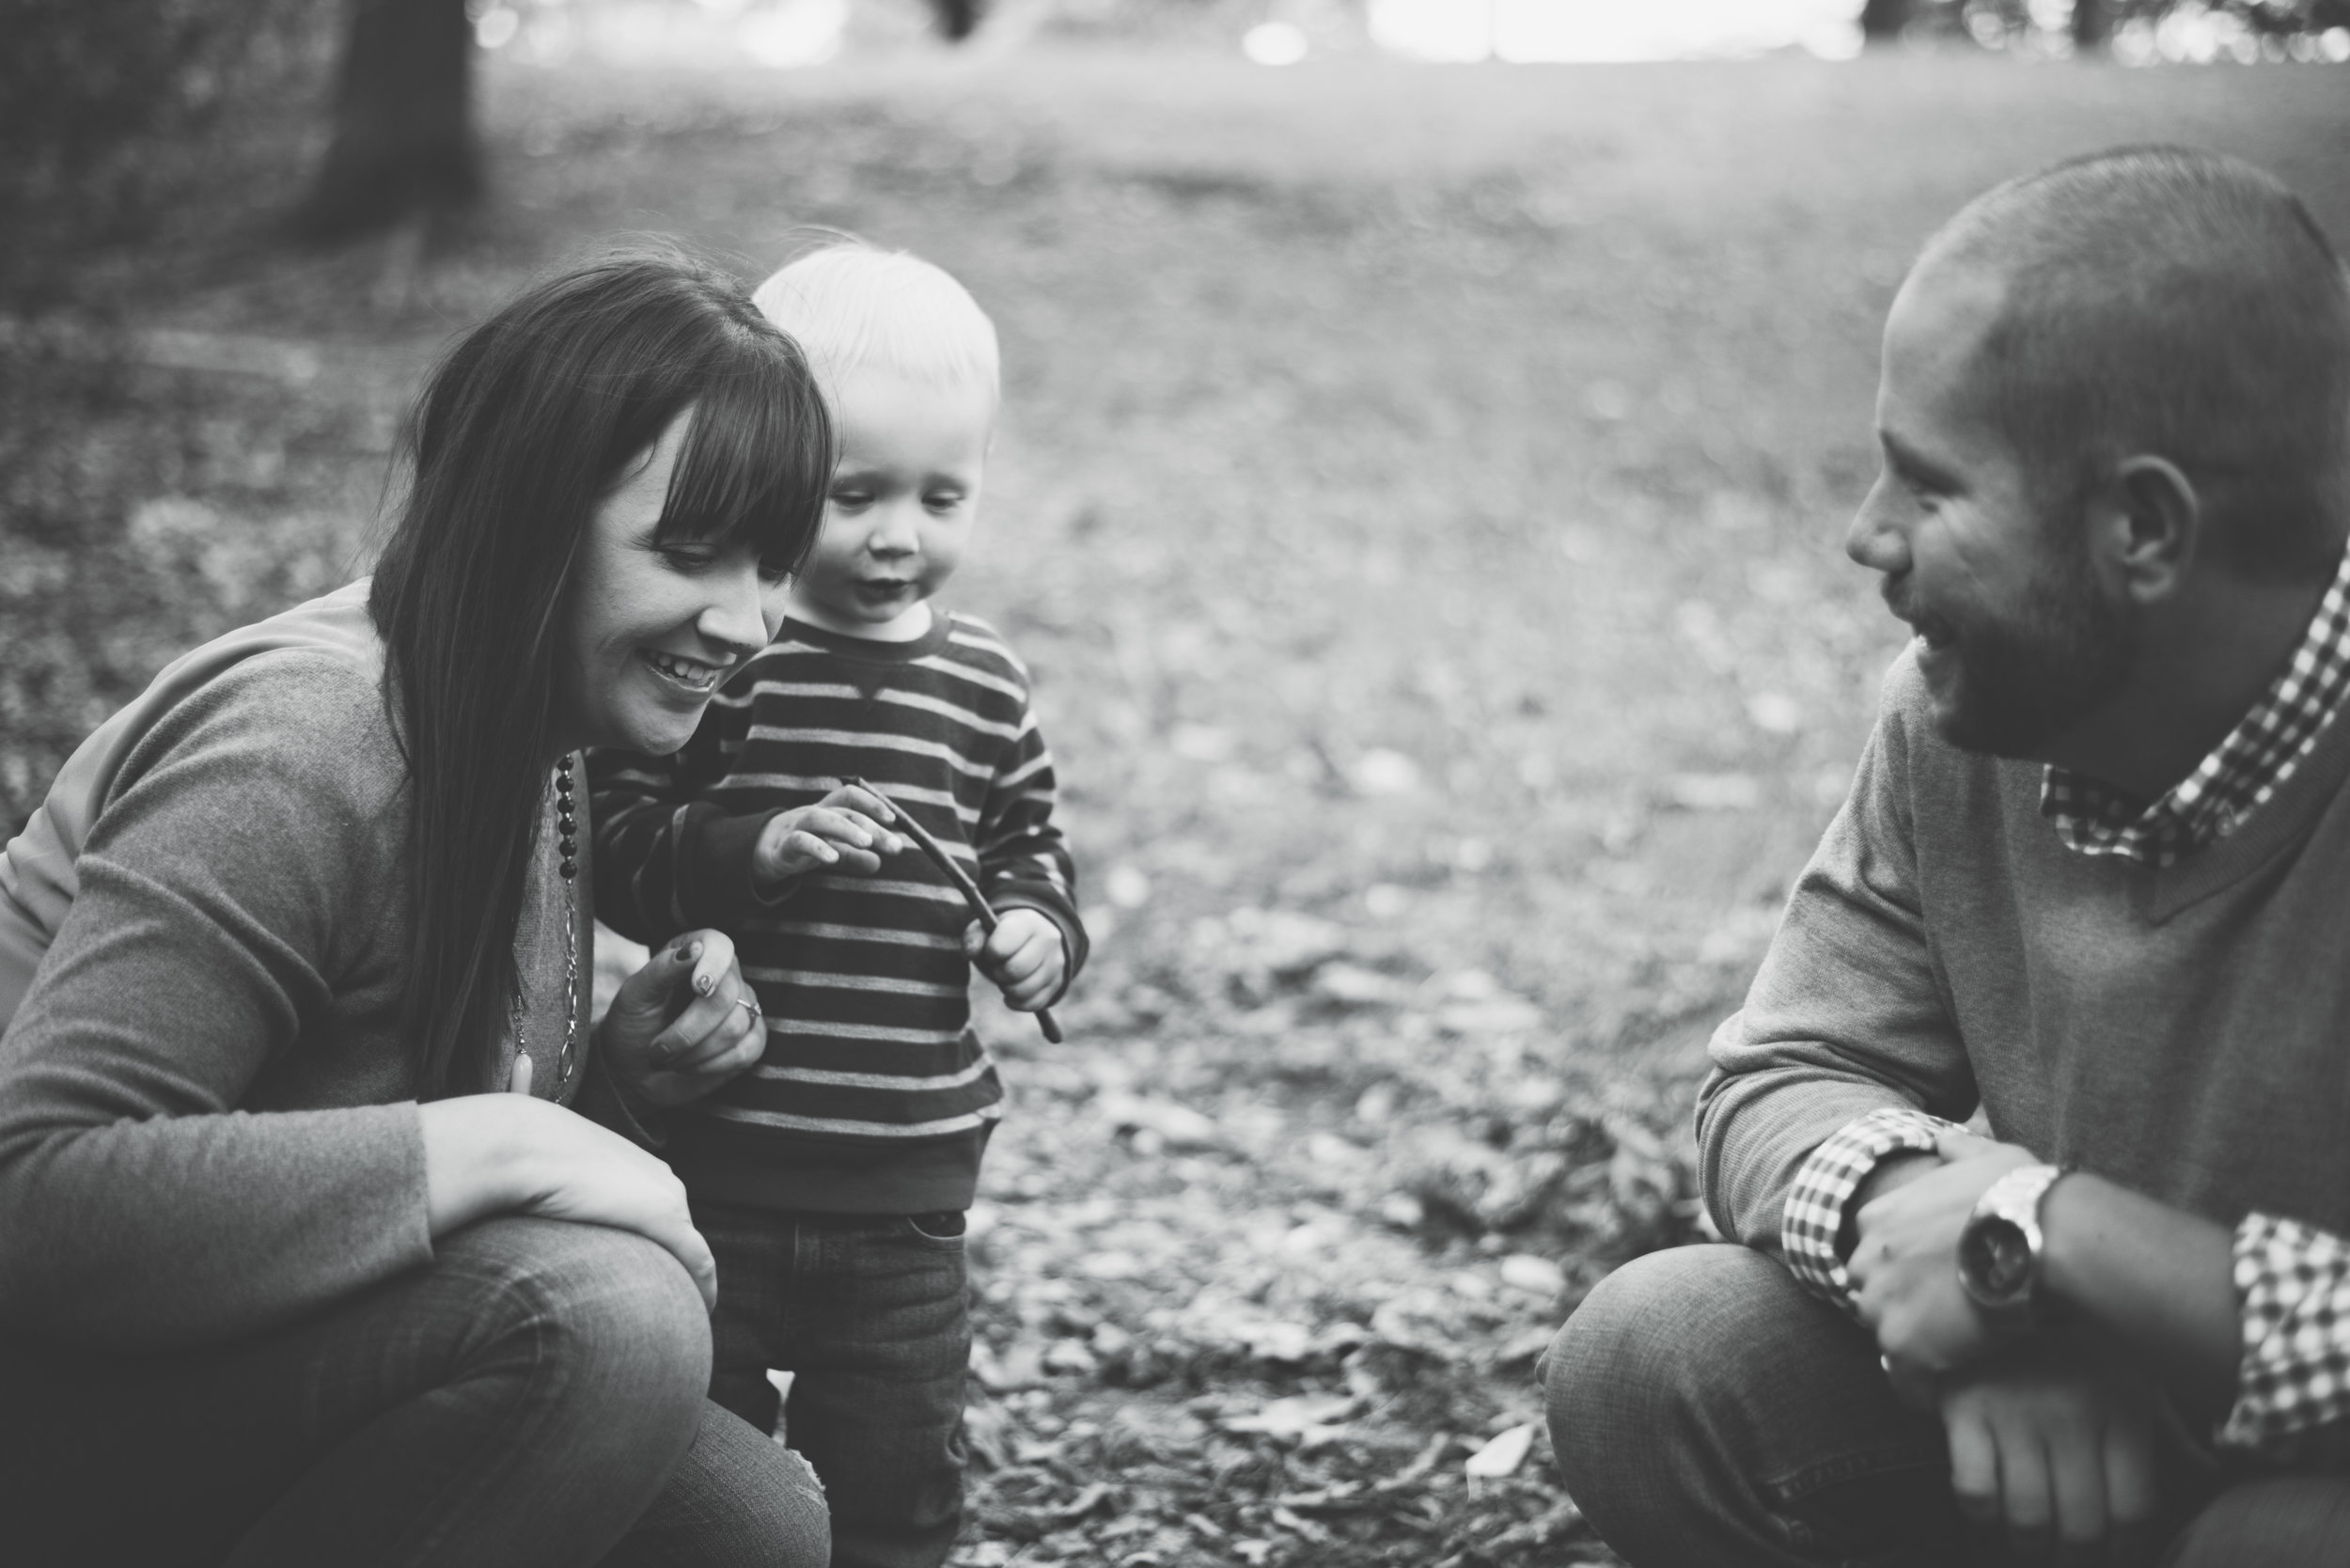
(871, 1316)
(533, 1396)
(1708, 1412)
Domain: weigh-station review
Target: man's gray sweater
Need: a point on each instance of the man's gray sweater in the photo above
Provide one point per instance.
(2184, 1032)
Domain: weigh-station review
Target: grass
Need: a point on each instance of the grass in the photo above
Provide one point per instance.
(1419, 497)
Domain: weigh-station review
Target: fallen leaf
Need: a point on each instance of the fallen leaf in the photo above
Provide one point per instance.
(1178, 1127)
(1712, 791)
(1382, 771)
(1529, 1272)
(1502, 1455)
(1070, 1358)
(1298, 1416)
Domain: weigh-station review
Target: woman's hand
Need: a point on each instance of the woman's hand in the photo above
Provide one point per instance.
(487, 1155)
(841, 832)
(683, 1024)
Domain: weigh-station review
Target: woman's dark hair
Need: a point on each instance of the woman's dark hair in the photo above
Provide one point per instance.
(522, 429)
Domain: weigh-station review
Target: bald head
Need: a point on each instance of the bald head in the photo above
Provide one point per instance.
(2167, 302)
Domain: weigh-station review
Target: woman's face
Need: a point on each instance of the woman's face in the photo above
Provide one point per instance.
(655, 627)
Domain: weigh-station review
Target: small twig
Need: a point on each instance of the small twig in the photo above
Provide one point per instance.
(937, 856)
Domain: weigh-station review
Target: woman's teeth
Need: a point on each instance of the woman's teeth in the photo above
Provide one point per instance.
(685, 672)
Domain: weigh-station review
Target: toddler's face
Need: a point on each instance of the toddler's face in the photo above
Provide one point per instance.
(903, 501)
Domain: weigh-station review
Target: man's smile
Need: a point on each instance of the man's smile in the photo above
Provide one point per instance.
(1931, 628)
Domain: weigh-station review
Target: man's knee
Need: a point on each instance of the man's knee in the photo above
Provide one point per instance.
(1647, 1355)
(2277, 1522)
(1659, 1328)
(609, 1324)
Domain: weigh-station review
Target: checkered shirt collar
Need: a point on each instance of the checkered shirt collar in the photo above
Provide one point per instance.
(2241, 772)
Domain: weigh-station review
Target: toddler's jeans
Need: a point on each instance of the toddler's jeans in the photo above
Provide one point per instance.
(870, 1315)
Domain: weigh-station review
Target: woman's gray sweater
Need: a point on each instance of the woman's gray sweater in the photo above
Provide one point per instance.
(207, 1124)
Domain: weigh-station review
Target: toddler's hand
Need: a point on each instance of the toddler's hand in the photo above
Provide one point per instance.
(841, 832)
(1025, 958)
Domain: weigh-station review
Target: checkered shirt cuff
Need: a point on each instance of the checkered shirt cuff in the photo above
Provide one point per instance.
(2294, 1283)
(1824, 1184)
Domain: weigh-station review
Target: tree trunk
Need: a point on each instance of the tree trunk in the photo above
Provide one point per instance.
(1881, 21)
(403, 121)
(957, 18)
(2092, 26)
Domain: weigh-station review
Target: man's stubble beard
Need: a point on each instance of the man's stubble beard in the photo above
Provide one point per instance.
(2026, 680)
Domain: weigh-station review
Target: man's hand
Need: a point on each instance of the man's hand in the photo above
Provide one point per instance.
(683, 1024)
(1904, 1260)
(2053, 1445)
(1026, 957)
(841, 832)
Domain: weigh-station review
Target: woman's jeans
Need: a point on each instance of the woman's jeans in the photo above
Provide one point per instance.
(870, 1315)
(1709, 1412)
(534, 1396)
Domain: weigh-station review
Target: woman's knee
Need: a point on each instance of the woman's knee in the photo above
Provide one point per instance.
(607, 1323)
(738, 1500)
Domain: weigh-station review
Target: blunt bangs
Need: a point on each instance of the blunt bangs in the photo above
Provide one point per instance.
(758, 457)
(521, 432)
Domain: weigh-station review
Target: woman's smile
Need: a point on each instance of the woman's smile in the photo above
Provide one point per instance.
(695, 677)
(639, 597)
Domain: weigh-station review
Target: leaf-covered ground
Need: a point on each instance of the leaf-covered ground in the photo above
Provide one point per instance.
(1418, 494)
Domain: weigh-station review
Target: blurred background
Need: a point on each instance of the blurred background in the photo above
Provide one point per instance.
(1430, 430)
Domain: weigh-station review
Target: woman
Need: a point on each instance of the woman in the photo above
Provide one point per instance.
(280, 1282)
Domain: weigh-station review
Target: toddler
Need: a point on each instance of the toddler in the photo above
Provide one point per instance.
(831, 1179)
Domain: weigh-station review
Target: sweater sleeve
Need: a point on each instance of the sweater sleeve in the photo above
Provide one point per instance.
(667, 861)
(1847, 1014)
(238, 866)
(1024, 860)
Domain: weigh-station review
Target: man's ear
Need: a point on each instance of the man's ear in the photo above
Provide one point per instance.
(2147, 527)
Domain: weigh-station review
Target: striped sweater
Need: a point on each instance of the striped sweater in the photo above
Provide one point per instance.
(874, 1096)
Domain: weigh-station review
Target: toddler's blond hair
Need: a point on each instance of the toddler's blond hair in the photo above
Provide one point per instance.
(852, 305)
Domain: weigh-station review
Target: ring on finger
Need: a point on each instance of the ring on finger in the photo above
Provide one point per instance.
(748, 1002)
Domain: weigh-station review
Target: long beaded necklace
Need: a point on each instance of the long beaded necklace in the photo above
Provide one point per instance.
(566, 845)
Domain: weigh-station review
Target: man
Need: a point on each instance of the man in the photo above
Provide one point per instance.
(2093, 878)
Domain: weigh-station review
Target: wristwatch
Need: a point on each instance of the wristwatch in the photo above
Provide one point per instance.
(2000, 1251)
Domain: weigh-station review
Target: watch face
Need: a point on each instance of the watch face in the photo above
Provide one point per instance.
(1997, 1258)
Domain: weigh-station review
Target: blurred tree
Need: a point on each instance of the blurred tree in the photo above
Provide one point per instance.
(2090, 26)
(403, 135)
(957, 18)
(107, 105)
(1883, 21)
